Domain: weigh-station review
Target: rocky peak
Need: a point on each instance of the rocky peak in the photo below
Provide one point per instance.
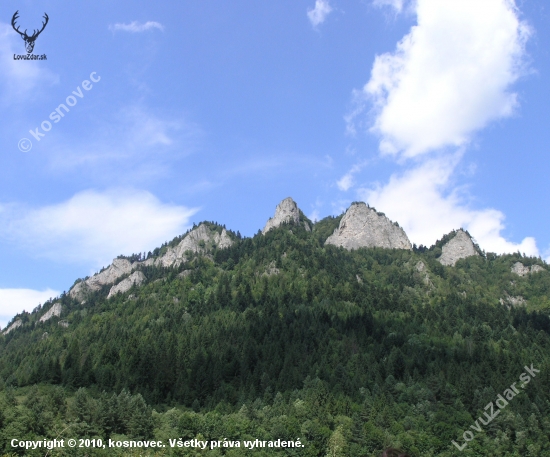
(363, 227)
(459, 247)
(286, 211)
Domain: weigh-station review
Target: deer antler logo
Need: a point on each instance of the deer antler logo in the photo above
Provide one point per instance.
(29, 40)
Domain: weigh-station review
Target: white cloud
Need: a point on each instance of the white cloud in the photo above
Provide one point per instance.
(14, 301)
(448, 78)
(94, 227)
(136, 27)
(319, 13)
(347, 181)
(427, 205)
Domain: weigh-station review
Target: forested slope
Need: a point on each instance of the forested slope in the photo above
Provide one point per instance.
(279, 336)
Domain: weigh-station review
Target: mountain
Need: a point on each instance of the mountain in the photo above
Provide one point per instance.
(349, 345)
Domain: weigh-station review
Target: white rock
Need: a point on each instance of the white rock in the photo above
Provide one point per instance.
(514, 301)
(286, 211)
(55, 310)
(198, 241)
(271, 269)
(110, 275)
(460, 247)
(363, 227)
(136, 278)
(420, 266)
(521, 270)
(13, 326)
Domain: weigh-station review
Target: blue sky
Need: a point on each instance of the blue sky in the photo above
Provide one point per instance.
(435, 112)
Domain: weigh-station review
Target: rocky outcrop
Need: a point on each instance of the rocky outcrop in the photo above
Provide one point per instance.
(422, 269)
(521, 270)
(54, 311)
(13, 326)
(286, 211)
(110, 275)
(363, 227)
(459, 247)
(513, 301)
(135, 279)
(420, 266)
(200, 240)
(271, 269)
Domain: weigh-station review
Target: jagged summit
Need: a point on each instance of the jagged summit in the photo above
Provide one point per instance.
(286, 211)
(459, 247)
(363, 227)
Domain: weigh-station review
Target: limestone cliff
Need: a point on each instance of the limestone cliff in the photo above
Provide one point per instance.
(459, 247)
(54, 311)
(199, 240)
(116, 270)
(13, 326)
(286, 211)
(363, 227)
(136, 278)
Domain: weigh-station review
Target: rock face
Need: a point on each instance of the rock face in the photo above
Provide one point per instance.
(521, 270)
(136, 278)
(54, 311)
(286, 211)
(117, 269)
(13, 326)
(200, 240)
(460, 247)
(363, 227)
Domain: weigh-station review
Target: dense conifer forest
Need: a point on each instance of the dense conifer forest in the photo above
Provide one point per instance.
(281, 337)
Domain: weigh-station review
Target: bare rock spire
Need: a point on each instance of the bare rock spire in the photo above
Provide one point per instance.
(459, 247)
(286, 211)
(363, 227)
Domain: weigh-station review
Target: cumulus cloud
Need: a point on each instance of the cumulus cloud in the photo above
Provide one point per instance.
(94, 227)
(449, 76)
(319, 13)
(427, 205)
(14, 301)
(136, 27)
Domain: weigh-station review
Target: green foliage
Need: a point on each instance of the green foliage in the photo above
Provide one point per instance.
(280, 337)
